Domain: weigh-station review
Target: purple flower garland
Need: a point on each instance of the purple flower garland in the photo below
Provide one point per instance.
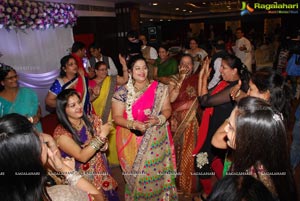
(18, 14)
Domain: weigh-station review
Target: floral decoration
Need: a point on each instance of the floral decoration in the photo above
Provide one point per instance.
(130, 98)
(19, 14)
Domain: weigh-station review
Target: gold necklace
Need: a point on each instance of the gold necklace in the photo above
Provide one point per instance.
(142, 89)
(79, 126)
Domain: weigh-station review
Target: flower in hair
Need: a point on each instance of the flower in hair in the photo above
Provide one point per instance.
(130, 98)
(278, 117)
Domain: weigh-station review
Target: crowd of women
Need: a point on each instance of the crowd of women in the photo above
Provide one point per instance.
(169, 135)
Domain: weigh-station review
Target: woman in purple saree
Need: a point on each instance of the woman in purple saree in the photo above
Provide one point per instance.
(144, 143)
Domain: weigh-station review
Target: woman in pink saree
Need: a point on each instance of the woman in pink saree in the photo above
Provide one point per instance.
(144, 143)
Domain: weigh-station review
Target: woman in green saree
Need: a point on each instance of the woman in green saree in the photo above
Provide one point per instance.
(165, 66)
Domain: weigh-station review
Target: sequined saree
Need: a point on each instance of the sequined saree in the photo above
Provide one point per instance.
(147, 161)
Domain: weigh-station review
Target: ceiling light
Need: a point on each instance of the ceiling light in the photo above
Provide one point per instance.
(141, 22)
(183, 10)
(155, 4)
(203, 3)
(161, 20)
(192, 5)
(151, 20)
(190, 11)
(169, 20)
(176, 8)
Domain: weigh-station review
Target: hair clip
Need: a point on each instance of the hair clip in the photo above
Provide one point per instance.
(277, 117)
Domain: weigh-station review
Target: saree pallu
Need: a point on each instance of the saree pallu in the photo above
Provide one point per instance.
(148, 161)
(80, 84)
(184, 124)
(26, 103)
(102, 107)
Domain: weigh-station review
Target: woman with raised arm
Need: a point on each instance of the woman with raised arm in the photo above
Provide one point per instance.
(218, 105)
(102, 89)
(183, 90)
(267, 85)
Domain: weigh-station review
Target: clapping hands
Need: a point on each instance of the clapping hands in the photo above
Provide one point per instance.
(205, 71)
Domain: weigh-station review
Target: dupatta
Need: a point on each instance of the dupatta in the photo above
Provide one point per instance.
(102, 104)
(80, 84)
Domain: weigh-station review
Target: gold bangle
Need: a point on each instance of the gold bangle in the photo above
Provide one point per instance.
(162, 119)
(129, 124)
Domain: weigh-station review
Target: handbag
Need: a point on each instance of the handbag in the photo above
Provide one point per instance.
(293, 65)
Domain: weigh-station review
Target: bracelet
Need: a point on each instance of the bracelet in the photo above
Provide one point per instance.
(73, 178)
(162, 119)
(130, 124)
(96, 143)
(104, 147)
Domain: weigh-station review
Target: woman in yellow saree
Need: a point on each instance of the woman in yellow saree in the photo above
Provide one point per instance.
(144, 142)
(102, 88)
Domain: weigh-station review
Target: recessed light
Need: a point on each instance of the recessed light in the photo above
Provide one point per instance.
(155, 4)
(190, 11)
(203, 3)
(176, 8)
(161, 20)
(141, 22)
(184, 10)
(151, 20)
(169, 20)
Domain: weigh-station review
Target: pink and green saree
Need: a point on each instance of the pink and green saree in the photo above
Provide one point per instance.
(147, 161)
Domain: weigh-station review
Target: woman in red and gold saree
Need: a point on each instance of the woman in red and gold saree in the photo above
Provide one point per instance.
(183, 90)
(144, 142)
